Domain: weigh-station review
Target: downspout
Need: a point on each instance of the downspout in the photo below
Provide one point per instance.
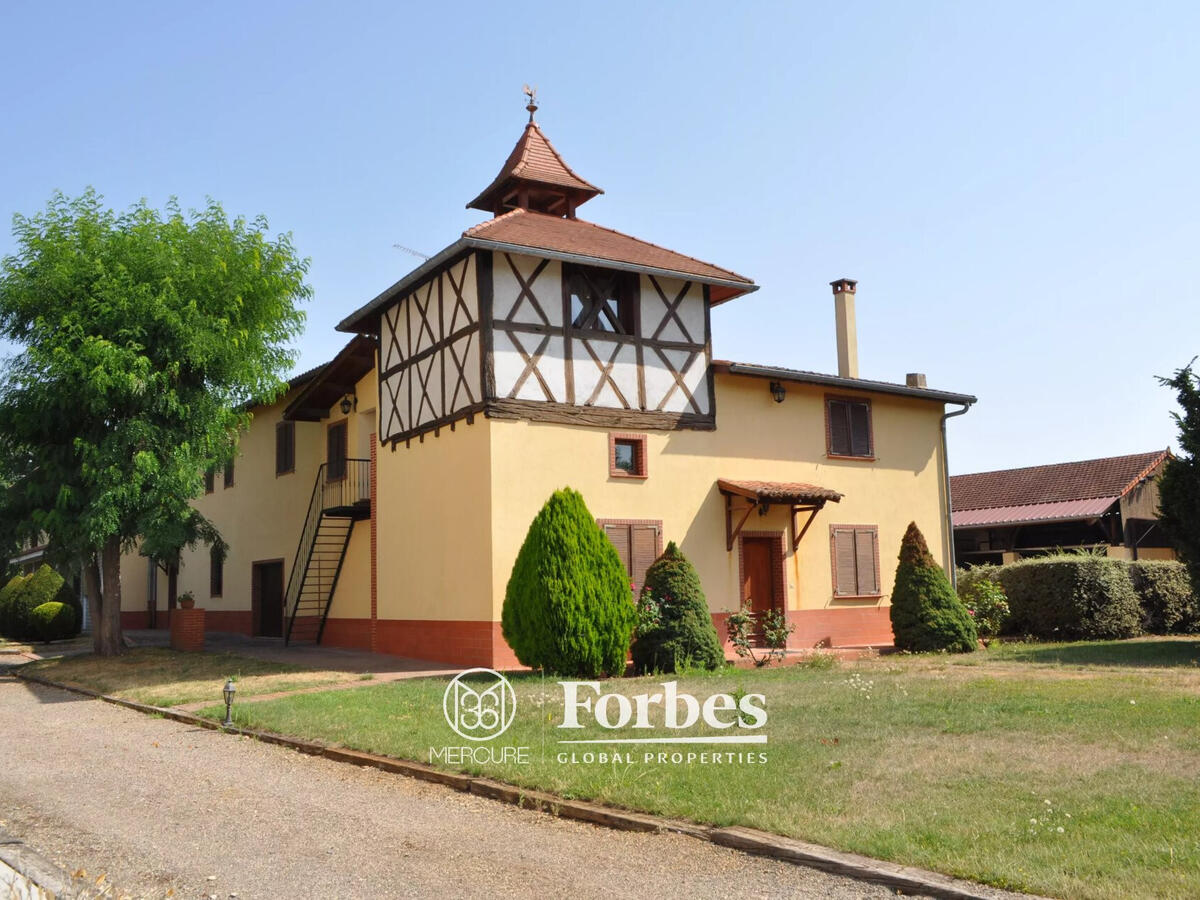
(949, 500)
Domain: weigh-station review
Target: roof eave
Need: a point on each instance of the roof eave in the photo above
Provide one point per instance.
(851, 384)
(351, 324)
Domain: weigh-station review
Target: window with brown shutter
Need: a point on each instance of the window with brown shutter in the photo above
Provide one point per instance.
(216, 572)
(229, 474)
(638, 543)
(854, 550)
(210, 478)
(848, 430)
(285, 448)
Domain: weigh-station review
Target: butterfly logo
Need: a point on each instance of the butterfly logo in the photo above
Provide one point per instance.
(479, 714)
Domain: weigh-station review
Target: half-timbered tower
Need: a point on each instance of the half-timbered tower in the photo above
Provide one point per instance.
(381, 504)
(539, 314)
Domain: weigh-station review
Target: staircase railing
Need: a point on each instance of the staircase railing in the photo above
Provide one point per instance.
(350, 485)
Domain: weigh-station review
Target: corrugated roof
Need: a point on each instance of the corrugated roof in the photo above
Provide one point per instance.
(1108, 477)
(781, 491)
(1064, 511)
(534, 159)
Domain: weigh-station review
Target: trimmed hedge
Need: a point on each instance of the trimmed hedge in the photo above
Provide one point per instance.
(1071, 597)
(1168, 604)
(8, 593)
(682, 634)
(1078, 597)
(68, 594)
(52, 621)
(568, 608)
(40, 587)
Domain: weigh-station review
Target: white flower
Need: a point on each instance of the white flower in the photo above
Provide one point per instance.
(1060, 829)
(1133, 703)
(1033, 821)
(1047, 802)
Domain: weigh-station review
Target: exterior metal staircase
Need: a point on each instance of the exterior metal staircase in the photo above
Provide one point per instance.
(341, 497)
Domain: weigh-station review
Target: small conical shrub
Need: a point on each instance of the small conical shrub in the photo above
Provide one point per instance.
(682, 633)
(568, 608)
(926, 614)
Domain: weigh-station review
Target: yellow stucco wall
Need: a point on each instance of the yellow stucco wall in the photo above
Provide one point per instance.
(260, 516)
(756, 439)
(433, 516)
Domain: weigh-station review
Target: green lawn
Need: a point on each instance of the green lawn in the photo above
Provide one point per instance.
(166, 678)
(1065, 770)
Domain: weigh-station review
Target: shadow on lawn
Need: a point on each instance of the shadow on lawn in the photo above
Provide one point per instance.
(1165, 653)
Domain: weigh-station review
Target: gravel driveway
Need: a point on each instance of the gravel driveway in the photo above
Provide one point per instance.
(158, 806)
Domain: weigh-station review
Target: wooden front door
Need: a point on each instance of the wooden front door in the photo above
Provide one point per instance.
(758, 577)
(267, 599)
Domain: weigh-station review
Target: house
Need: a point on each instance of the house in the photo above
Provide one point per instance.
(1109, 503)
(381, 503)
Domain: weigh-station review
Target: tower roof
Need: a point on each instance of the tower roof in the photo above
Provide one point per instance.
(535, 177)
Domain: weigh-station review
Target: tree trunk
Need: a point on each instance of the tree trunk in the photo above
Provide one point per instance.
(106, 627)
(91, 586)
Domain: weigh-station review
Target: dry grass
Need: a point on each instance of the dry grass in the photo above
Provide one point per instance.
(167, 678)
(969, 766)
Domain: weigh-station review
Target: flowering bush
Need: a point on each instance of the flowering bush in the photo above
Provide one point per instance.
(988, 606)
(775, 631)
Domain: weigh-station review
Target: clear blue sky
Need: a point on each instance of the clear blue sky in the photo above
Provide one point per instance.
(1014, 185)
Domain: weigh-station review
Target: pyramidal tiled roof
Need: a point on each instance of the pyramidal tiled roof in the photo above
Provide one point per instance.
(539, 231)
(1091, 479)
(535, 160)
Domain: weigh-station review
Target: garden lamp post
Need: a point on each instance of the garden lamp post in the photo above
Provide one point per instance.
(229, 690)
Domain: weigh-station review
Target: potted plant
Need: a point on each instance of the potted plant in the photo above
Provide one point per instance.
(186, 600)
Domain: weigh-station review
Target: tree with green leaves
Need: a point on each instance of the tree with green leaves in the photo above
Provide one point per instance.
(142, 337)
(568, 606)
(1179, 486)
(926, 613)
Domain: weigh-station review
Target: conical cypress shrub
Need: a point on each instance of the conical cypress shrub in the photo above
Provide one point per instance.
(567, 607)
(926, 613)
(683, 635)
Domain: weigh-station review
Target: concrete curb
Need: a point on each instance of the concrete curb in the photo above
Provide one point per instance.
(749, 840)
(35, 876)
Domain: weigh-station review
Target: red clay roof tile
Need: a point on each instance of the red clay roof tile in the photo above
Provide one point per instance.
(539, 231)
(534, 159)
(1090, 479)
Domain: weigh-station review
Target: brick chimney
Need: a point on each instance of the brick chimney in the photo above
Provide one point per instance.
(915, 379)
(847, 335)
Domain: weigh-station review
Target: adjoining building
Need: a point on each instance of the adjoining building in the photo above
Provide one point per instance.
(381, 503)
(1108, 504)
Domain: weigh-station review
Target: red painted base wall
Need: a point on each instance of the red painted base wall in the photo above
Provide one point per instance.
(480, 643)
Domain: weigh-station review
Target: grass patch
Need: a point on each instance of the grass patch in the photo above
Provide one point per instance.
(1067, 782)
(169, 678)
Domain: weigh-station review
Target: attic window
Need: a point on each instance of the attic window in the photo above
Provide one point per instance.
(601, 299)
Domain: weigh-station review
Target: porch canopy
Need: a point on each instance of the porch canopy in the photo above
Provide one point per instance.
(799, 497)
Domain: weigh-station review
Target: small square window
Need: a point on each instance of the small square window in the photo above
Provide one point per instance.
(627, 455)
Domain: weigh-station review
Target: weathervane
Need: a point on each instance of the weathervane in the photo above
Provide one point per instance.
(531, 93)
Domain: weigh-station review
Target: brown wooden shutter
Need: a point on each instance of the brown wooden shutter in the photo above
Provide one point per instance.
(210, 478)
(839, 428)
(865, 555)
(216, 573)
(845, 563)
(285, 447)
(860, 429)
(620, 537)
(645, 542)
